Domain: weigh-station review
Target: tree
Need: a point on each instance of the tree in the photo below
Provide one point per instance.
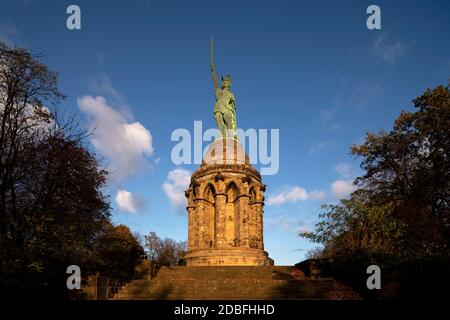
(402, 204)
(117, 250)
(401, 207)
(409, 167)
(153, 245)
(356, 225)
(52, 209)
(315, 253)
(25, 86)
(55, 214)
(412, 161)
(164, 251)
(399, 216)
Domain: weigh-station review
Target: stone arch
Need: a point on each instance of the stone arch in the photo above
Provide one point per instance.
(209, 192)
(237, 184)
(232, 192)
(209, 214)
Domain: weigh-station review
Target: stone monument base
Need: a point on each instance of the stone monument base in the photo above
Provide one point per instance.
(228, 257)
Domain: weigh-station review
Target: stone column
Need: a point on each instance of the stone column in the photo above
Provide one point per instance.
(258, 209)
(192, 228)
(237, 224)
(244, 212)
(220, 216)
(220, 201)
(260, 215)
(200, 226)
(252, 226)
(244, 221)
(261, 234)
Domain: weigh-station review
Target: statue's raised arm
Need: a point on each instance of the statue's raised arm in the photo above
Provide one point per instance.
(213, 68)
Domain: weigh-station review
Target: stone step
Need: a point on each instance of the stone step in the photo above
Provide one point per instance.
(211, 283)
(223, 272)
(314, 289)
(237, 271)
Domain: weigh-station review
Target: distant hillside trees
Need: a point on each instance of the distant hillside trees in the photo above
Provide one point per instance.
(165, 251)
(52, 210)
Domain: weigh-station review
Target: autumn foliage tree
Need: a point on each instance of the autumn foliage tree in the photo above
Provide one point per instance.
(408, 168)
(164, 251)
(52, 210)
(116, 250)
(399, 217)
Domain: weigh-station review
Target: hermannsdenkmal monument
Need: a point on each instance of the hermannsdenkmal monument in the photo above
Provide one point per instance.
(226, 257)
(225, 196)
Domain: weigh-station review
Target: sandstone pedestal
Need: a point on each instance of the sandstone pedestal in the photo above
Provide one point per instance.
(225, 210)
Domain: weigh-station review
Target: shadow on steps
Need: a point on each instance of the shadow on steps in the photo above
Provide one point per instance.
(230, 283)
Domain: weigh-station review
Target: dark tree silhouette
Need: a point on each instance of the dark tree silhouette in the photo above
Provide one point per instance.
(399, 218)
(52, 210)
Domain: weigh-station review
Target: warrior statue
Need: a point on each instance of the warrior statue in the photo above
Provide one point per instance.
(225, 106)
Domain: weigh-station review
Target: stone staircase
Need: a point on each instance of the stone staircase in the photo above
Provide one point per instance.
(228, 283)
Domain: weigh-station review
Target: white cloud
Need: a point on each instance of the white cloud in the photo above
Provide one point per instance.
(104, 86)
(125, 200)
(295, 194)
(388, 52)
(130, 202)
(342, 188)
(335, 126)
(344, 170)
(327, 114)
(319, 146)
(177, 182)
(126, 145)
(289, 224)
(365, 95)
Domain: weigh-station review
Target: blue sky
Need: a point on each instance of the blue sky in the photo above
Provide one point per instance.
(137, 70)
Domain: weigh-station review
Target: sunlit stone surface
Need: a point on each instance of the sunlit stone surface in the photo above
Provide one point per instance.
(225, 210)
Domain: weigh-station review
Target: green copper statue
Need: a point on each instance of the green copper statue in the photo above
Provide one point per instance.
(225, 106)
